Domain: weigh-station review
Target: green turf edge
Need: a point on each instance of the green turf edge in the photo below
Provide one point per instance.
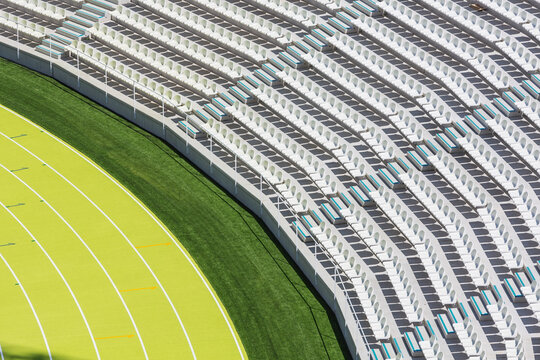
(276, 312)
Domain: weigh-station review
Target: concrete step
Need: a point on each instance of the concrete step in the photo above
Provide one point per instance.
(77, 28)
(53, 44)
(61, 38)
(69, 33)
(81, 21)
(49, 52)
(104, 4)
(88, 15)
(94, 9)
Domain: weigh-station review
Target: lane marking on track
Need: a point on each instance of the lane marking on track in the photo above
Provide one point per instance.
(57, 270)
(89, 250)
(184, 330)
(31, 306)
(152, 216)
(147, 246)
(115, 337)
(143, 288)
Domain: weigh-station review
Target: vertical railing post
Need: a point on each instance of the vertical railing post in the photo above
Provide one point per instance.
(78, 72)
(106, 86)
(134, 111)
(18, 46)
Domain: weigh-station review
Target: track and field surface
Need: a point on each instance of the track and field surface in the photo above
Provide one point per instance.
(275, 311)
(87, 271)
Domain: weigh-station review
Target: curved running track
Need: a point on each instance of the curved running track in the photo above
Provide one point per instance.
(86, 271)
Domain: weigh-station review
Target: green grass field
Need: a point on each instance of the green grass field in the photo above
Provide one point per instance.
(275, 312)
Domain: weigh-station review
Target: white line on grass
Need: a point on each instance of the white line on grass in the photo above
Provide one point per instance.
(1, 353)
(146, 210)
(89, 250)
(31, 306)
(59, 273)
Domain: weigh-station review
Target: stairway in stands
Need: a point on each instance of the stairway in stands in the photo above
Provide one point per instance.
(76, 25)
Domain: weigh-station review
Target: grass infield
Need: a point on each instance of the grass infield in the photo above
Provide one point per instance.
(275, 311)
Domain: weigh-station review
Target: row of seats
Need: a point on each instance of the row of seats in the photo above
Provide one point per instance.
(331, 5)
(324, 99)
(291, 112)
(25, 27)
(530, 108)
(353, 84)
(350, 118)
(530, 211)
(154, 60)
(328, 139)
(515, 14)
(516, 139)
(469, 338)
(363, 280)
(467, 18)
(287, 186)
(422, 59)
(398, 270)
(317, 170)
(409, 127)
(504, 236)
(209, 30)
(40, 8)
(293, 13)
(129, 76)
(399, 79)
(533, 298)
(491, 212)
(442, 38)
(525, 198)
(495, 36)
(353, 161)
(245, 19)
(367, 93)
(372, 62)
(503, 320)
(180, 44)
(457, 227)
(520, 54)
(421, 238)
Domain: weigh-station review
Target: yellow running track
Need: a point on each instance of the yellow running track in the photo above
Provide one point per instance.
(88, 272)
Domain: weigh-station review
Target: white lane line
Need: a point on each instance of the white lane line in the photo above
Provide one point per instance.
(184, 330)
(1, 353)
(89, 250)
(31, 307)
(59, 273)
(145, 210)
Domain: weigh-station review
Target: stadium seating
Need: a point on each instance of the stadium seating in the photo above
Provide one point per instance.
(399, 137)
(26, 27)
